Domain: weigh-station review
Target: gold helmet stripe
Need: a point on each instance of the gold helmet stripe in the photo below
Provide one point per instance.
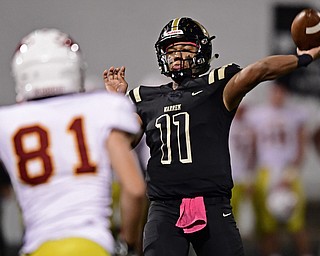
(175, 24)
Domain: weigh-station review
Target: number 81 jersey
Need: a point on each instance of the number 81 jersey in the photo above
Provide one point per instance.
(187, 131)
(54, 151)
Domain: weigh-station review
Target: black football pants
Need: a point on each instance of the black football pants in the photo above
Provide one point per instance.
(220, 237)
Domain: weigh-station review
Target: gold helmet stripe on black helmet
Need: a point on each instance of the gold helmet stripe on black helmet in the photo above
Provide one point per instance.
(175, 23)
(187, 30)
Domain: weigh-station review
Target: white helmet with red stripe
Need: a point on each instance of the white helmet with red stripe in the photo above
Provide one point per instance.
(47, 63)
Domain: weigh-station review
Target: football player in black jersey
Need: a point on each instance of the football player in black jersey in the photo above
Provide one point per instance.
(187, 124)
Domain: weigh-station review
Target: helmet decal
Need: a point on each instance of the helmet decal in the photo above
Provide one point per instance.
(173, 32)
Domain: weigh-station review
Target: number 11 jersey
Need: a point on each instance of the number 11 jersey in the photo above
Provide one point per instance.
(187, 131)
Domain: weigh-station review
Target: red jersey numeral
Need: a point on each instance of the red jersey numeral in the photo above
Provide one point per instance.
(37, 156)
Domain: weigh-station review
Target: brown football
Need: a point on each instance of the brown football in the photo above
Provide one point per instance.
(305, 29)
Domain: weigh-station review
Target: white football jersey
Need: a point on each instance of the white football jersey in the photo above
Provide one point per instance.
(276, 135)
(55, 153)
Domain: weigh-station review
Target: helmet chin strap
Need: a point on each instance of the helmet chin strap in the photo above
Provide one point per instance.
(179, 76)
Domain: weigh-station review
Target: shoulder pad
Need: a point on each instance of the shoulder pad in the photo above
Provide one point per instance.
(145, 93)
(224, 72)
(135, 95)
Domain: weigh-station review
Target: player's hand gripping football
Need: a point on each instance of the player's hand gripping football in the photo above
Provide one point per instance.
(114, 79)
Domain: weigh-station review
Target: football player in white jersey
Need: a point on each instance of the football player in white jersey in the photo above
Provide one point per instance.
(59, 145)
(279, 194)
(242, 155)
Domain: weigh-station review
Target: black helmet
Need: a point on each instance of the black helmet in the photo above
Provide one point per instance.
(185, 30)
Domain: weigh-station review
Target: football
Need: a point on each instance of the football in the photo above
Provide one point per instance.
(305, 29)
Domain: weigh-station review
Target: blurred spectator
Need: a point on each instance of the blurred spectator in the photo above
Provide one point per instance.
(242, 152)
(316, 139)
(279, 193)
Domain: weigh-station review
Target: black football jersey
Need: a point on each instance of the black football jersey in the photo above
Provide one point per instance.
(187, 130)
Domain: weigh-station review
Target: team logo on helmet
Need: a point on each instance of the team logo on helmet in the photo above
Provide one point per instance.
(172, 32)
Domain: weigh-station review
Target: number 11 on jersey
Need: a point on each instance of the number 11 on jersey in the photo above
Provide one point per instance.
(181, 124)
